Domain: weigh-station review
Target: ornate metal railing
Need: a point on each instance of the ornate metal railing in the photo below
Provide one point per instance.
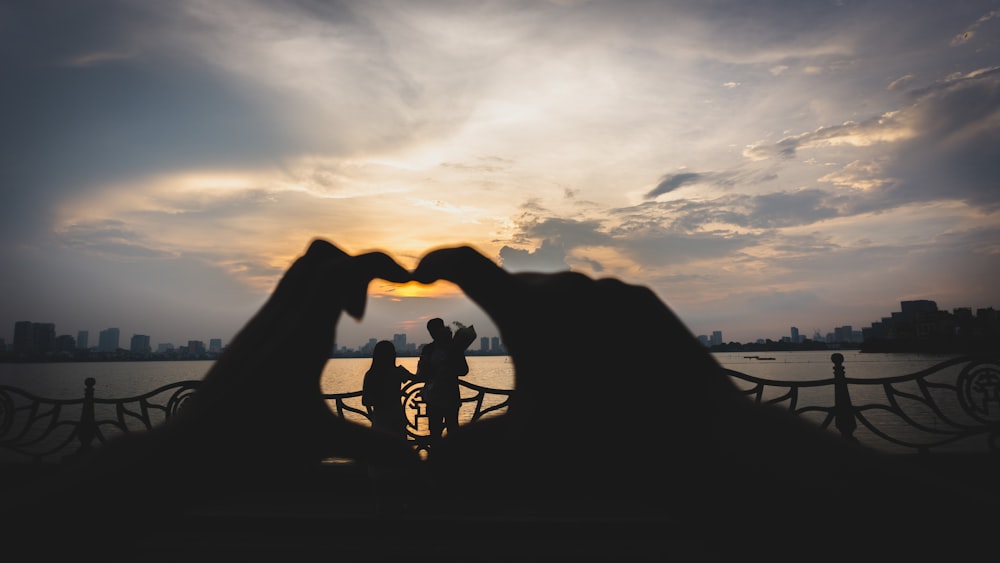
(39, 429)
(952, 406)
(477, 402)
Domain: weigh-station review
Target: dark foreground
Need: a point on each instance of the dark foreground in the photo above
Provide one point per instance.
(335, 514)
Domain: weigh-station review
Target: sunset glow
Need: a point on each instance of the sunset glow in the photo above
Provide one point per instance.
(758, 166)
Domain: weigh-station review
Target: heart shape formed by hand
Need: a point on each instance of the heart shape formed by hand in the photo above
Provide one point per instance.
(617, 407)
(582, 350)
(613, 393)
(604, 372)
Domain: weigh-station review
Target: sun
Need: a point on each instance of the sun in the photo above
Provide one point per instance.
(412, 289)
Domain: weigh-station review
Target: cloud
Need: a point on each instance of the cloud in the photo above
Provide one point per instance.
(738, 177)
(112, 239)
(967, 35)
(783, 209)
(98, 58)
(554, 240)
(660, 248)
(548, 257)
(900, 82)
(884, 128)
(625, 238)
(955, 151)
(945, 144)
(671, 182)
(769, 210)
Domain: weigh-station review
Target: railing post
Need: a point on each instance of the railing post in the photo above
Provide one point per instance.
(87, 428)
(842, 400)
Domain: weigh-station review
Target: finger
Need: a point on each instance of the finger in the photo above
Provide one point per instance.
(482, 281)
(337, 282)
(300, 317)
(315, 288)
(302, 273)
(263, 330)
(354, 276)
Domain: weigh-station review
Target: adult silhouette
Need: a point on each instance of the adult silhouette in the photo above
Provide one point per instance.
(381, 388)
(644, 428)
(440, 365)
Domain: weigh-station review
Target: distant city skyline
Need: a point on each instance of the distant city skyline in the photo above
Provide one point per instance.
(418, 337)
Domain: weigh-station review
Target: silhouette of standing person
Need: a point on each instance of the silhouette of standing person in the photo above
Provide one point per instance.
(441, 364)
(381, 394)
(381, 390)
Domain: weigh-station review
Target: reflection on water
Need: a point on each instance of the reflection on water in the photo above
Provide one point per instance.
(118, 379)
(816, 364)
(343, 375)
(64, 380)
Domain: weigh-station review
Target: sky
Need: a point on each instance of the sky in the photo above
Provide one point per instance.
(758, 165)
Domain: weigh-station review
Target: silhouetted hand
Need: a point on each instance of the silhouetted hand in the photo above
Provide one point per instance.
(263, 395)
(609, 382)
(616, 399)
(257, 421)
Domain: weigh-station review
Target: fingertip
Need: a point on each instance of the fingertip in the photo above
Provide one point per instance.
(428, 270)
(355, 302)
(460, 264)
(381, 265)
(481, 279)
(322, 247)
(363, 269)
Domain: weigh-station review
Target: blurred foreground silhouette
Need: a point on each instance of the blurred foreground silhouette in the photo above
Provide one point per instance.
(683, 466)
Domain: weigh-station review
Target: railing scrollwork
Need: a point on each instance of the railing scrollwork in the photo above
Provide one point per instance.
(946, 407)
(951, 406)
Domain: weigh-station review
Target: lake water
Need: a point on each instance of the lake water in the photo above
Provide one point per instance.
(343, 375)
(123, 379)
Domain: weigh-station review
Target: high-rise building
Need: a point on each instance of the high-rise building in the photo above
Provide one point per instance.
(22, 337)
(843, 334)
(64, 343)
(913, 309)
(716, 337)
(107, 340)
(399, 341)
(82, 340)
(484, 344)
(33, 338)
(140, 344)
(196, 347)
(795, 335)
(215, 346)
